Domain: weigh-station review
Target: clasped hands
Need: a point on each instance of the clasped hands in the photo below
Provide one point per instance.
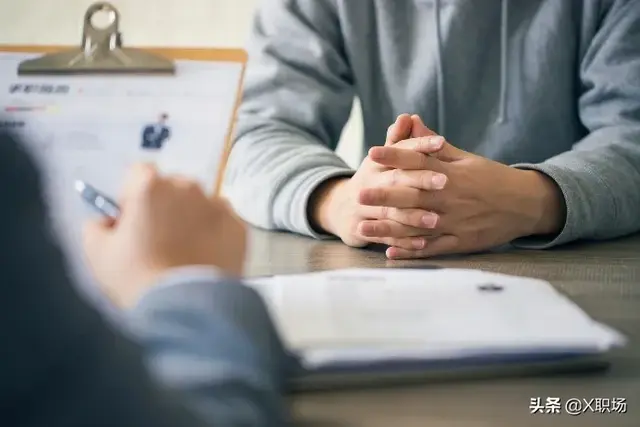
(422, 197)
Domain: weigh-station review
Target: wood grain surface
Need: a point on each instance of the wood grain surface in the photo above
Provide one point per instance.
(603, 278)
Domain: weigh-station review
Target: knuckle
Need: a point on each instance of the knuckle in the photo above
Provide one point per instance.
(384, 228)
(441, 203)
(381, 195)
(395, 214)
(416, 196)
(395, 177)
(420, 143)
(406, 144)
(385, 212)
(425, 161)
(389, 241)
(425, 180)
(414, 218)
(373, 229)
(403, 243)
(415, 143)
(425, 200)
(353, 229)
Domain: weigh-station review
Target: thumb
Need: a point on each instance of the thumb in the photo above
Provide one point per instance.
(436, 146)
(400, 130)
(431, 143)
(419, 129)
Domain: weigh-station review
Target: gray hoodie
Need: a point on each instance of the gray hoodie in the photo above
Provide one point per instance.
(550, 85)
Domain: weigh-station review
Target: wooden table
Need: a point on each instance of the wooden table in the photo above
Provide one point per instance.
(603, 278)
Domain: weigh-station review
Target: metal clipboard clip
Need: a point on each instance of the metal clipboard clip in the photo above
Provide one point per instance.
(101, 52)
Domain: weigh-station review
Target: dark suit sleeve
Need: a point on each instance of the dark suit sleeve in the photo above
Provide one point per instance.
(61, 365)
(212, 339)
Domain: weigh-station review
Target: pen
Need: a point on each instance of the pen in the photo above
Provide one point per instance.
(103, 204)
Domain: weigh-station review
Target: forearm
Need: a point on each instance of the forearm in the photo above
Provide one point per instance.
(599, 182)
(213, 341)
(295, 104)
(272, 174)
(600, 177)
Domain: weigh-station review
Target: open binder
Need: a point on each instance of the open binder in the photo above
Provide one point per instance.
(359, 326)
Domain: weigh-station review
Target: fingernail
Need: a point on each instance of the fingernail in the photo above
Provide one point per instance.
(429, 220)
(438, 181)
(435, 142)
(390, 253)
(418, 243)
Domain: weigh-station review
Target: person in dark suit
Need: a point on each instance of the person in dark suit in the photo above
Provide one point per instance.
(209, 341)
(155, 135)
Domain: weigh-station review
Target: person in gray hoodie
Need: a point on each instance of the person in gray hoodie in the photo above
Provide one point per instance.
(539, 102)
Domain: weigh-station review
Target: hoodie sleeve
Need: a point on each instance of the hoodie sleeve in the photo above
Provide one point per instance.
(298, 95)
(600, 176)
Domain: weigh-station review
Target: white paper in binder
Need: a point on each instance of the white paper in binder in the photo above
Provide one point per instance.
(365, 316)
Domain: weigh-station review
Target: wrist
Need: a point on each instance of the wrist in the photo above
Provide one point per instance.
(322, 203)
(127, 293)
(547, 204)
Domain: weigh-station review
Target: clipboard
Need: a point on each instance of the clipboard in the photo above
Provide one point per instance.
(102, 53)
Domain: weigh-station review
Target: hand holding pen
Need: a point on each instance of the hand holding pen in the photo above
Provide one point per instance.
(162, 223)
(97, 200)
